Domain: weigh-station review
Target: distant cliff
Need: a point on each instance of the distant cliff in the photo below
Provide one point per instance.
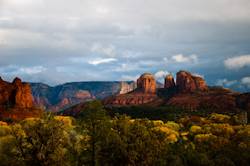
(66, 95)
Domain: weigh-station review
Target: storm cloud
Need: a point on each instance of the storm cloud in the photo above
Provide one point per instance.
(57, 41)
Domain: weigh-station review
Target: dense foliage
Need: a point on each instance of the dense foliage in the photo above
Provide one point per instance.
(97, 139)
(165, 113)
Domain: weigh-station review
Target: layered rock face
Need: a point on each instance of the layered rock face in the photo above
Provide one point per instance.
(15, 94)
(190, 92)
(127, 87)
(214, 99)
(69, 99)
(66, 95)
(146, 83)
(130, 99)
(169, 81)
(186, 82)
(146, 89)
(144, 93)
(16, 101)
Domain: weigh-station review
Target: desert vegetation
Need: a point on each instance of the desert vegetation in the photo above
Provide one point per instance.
(96, 138)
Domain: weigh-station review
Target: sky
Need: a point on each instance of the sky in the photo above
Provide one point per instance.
(58, 41)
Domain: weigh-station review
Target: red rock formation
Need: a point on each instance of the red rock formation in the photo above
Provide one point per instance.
(200, 83)
(169, 81)
(146, 83)
(197, 95)
(130, 99)
(5, 92)
(83, 94)
(15, 94)
(23, 94)
(144, 93)
(215, 99)
(71, 98)
(186, 82)
(16, 100)
(146, 90)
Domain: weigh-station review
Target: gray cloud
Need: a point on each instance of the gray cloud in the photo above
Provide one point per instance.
(246, 81)
(68, 37)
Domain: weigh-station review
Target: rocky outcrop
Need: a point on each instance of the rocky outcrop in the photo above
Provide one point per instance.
(169, 81)
(127, 87)
(22, 93)
(146, 83)
(215, 99)
(16, 101)
(15, 94)
(130, 99)
(144, 93)
(69, 99)
(212, 100)
(146, 89)
(186, 82)
(65, 95)
(190, 93)
(200, 83)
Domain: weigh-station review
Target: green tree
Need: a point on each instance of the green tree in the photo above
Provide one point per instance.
(96, 124)
(131, 142)
(41, 141)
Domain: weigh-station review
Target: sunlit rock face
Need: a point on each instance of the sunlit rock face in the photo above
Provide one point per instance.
(169, 81)
(15, 94)
(127, 87)
(144, 93)
(186, 82)
(146, 83)
(16, 101)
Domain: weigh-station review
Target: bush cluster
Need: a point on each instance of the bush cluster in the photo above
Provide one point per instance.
(95, 138)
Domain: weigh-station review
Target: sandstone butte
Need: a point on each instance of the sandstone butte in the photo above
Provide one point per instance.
(146, 90)
(144, 93)
(189, 91)
(186, 82)
(16, 101)
(169, 81)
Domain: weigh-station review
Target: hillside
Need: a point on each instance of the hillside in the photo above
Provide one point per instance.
(188, 92)
(65, 95)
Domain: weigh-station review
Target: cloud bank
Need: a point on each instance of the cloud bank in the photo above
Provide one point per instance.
(237, 62)
(105, 40)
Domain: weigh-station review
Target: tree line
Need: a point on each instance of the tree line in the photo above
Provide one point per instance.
(96, 138)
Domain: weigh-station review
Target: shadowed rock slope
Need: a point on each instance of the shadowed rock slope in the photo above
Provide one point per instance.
(69, 94)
